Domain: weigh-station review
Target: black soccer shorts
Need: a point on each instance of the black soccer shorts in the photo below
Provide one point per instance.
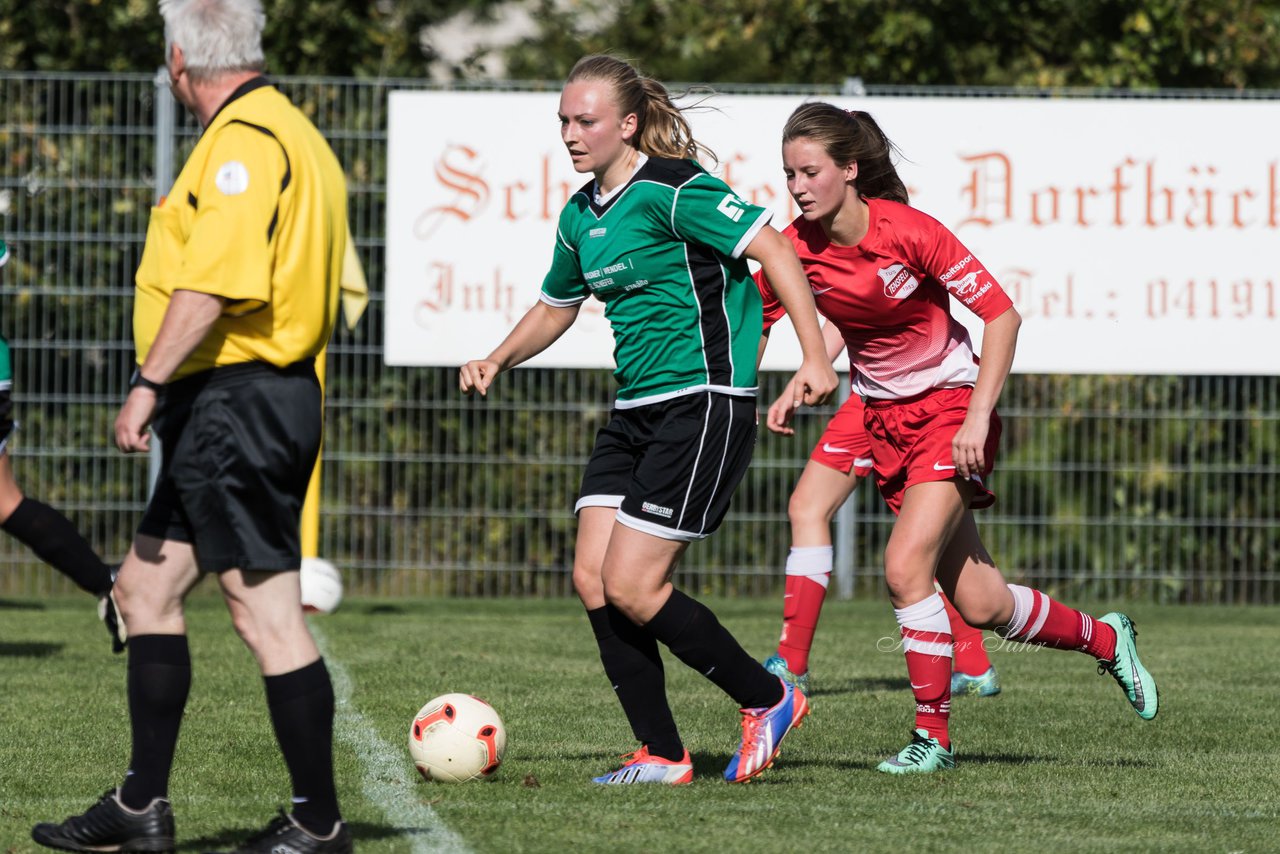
(671, 467)
(238, 445)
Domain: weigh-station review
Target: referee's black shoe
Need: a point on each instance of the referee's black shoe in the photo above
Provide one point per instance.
(109, 825)
(284, 834)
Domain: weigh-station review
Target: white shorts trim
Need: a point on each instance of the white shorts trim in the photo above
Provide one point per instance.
(658, 530)
(561, 303)
(614, 501)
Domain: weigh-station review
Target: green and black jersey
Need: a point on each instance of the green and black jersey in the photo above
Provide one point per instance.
(6, 366)
(6, 384)
(664, 253)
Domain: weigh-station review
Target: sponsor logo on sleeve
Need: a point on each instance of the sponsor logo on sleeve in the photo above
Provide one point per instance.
(955, 268)
(731, 206)
(968, 289)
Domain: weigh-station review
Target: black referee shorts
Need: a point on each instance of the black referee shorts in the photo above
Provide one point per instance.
(238, 445)
(671, 467)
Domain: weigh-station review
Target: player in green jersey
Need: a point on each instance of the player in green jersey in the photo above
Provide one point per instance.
(664, 245)
(41, 528)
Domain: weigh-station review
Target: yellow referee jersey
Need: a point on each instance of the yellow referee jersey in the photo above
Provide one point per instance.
(258, 216)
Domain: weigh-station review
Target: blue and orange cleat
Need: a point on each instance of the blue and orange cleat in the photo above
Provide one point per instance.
(642, 767)
(763, 731)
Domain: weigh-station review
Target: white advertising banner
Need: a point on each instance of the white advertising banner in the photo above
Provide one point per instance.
(1133, 236)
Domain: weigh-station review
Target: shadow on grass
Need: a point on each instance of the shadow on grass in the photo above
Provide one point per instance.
(30, 649)
(8, 605)
(1042, 758)
(363, 831)
(858, 686)
(382, 609)
(710, 766)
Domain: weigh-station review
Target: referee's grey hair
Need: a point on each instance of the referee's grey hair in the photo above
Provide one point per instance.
(217, 37)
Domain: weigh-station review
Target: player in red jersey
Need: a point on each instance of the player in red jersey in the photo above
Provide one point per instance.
(883, 273)
(838, 464)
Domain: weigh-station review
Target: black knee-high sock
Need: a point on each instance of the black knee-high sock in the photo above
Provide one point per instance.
(159, 680)
(634, 667)
(57, 542)
(693, 633)
(301, 704)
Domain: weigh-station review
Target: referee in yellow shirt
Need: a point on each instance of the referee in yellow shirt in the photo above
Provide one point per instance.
(237, 292)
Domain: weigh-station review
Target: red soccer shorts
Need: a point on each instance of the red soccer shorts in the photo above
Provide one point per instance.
(911, 443)
(844, 445)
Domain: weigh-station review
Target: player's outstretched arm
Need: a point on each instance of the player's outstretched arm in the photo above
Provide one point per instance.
(815, 381)
(536, 331)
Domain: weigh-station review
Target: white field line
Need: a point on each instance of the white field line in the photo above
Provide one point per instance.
(386, 783)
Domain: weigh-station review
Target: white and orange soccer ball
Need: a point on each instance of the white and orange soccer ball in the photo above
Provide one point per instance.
(455, 738)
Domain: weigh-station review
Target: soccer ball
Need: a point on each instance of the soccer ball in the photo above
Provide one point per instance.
(455, 738)
(321, 586)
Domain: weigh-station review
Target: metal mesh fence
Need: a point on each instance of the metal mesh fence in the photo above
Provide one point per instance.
(1156, 487)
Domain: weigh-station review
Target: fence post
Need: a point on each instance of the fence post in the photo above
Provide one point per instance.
(846, 524)
(165, 114)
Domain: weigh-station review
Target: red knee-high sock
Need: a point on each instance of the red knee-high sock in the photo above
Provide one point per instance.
(808, 574)
(970, 656)
(926, 641)
(1037, 619)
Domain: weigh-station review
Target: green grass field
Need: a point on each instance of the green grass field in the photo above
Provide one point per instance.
(1057, 762)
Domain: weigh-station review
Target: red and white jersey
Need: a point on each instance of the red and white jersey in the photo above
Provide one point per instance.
(888, 298)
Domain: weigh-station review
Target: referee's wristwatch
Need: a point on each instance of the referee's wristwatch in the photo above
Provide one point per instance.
(139, 380)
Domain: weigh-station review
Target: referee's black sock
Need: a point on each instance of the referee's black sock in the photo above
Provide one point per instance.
(634, 667)
(693, 633)
(158, 683)
(301, 704)
(57, 542)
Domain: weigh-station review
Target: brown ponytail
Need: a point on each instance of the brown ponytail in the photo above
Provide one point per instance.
(850, 136)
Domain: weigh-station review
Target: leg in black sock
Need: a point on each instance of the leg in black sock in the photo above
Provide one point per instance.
(57, 542)
(301, 704)
(693, 633)
(634, 667)
(159, 680)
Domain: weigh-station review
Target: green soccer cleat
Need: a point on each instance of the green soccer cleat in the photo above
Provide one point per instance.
(986, 685)
(1138, 683)
(777, 665)
(923, 755)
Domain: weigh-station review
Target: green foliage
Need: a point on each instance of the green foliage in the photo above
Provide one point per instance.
(1037, 43)
(80, 35)
(322, 37)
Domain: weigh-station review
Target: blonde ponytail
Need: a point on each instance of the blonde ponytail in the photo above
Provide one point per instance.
(662, 130)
